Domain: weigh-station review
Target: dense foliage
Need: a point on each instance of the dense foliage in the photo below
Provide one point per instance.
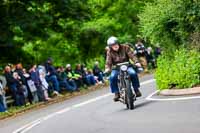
(67, 30)
(172, 22)
(180, 69)
(175, 26)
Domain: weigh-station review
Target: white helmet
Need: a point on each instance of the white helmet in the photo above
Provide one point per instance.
(112, 40)
(68, 65)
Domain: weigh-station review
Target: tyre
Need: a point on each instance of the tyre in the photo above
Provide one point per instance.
(129, 96)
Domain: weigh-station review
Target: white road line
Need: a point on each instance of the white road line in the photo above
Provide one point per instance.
(30, 125)
(91, 100)
(170, 99)
(26, 126)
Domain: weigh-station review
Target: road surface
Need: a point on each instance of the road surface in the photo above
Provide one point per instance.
(97, 113)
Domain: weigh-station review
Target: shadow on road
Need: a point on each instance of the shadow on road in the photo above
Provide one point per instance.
(137, 105)
(145, 103)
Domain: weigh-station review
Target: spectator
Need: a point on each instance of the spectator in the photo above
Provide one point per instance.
(3, 85)
(90, 77)
(140, 53)
(2, 97)
(44, 83)
(68, 84)
(19, 71)
(27, 77)
(83, 75)
(72, 75)
(20, 89)
(12, 85)
(35, 77)
(98, 72)
(150, 58)
(157, 51)
(51, 75)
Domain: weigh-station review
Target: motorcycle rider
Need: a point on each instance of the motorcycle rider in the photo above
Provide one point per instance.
(118, 53)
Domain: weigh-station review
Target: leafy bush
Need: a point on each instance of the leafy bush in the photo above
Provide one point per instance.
(170, 21)
(100, 59)
(180, 69)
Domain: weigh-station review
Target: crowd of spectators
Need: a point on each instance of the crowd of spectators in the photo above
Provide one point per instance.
(39, 83)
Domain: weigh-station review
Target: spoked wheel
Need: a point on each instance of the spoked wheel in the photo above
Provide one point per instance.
(129, 97)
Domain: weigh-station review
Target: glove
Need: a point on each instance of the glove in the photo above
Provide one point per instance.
(138, 65)
(107, 70)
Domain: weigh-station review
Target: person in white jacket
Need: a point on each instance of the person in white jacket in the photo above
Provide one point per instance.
(45, 85)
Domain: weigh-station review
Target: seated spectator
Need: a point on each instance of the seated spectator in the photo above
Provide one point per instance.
(68, 84)
(3, 85)
(80, 71)
(19, 71)
(90, 77)
(35, 77)
(27, 77)
(51, 75)
(98, 72)
(20, 89)
(44, 83)
(2, 98)
(12, 85)
(72, 75)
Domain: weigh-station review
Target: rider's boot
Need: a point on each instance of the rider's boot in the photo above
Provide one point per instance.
(138, 93)
(117, 96)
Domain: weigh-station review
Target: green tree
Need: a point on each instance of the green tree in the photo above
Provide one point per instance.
(169, 22)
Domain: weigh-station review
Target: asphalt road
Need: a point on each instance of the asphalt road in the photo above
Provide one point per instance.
(97, 113)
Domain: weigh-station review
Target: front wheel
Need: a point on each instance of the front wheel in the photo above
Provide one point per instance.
(129, 97)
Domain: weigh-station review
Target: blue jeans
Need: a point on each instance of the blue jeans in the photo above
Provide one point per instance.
(68, 85)
(15, 94)
(91, 80)
(114, 80)
(53, 79)
(2, 106)
(100, 77)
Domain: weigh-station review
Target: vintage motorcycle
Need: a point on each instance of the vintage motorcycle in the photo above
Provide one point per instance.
(127, 95)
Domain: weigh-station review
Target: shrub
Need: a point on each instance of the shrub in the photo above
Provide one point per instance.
(180, 69)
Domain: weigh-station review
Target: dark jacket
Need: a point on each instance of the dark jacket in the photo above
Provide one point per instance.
(20, 73)
(35, 77)
(10, 79)
(96, 70)
(122, 55)
(50, 69)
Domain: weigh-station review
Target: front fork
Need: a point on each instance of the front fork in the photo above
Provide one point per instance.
(122, 79)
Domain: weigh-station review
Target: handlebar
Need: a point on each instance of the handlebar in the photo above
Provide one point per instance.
(124, 63)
